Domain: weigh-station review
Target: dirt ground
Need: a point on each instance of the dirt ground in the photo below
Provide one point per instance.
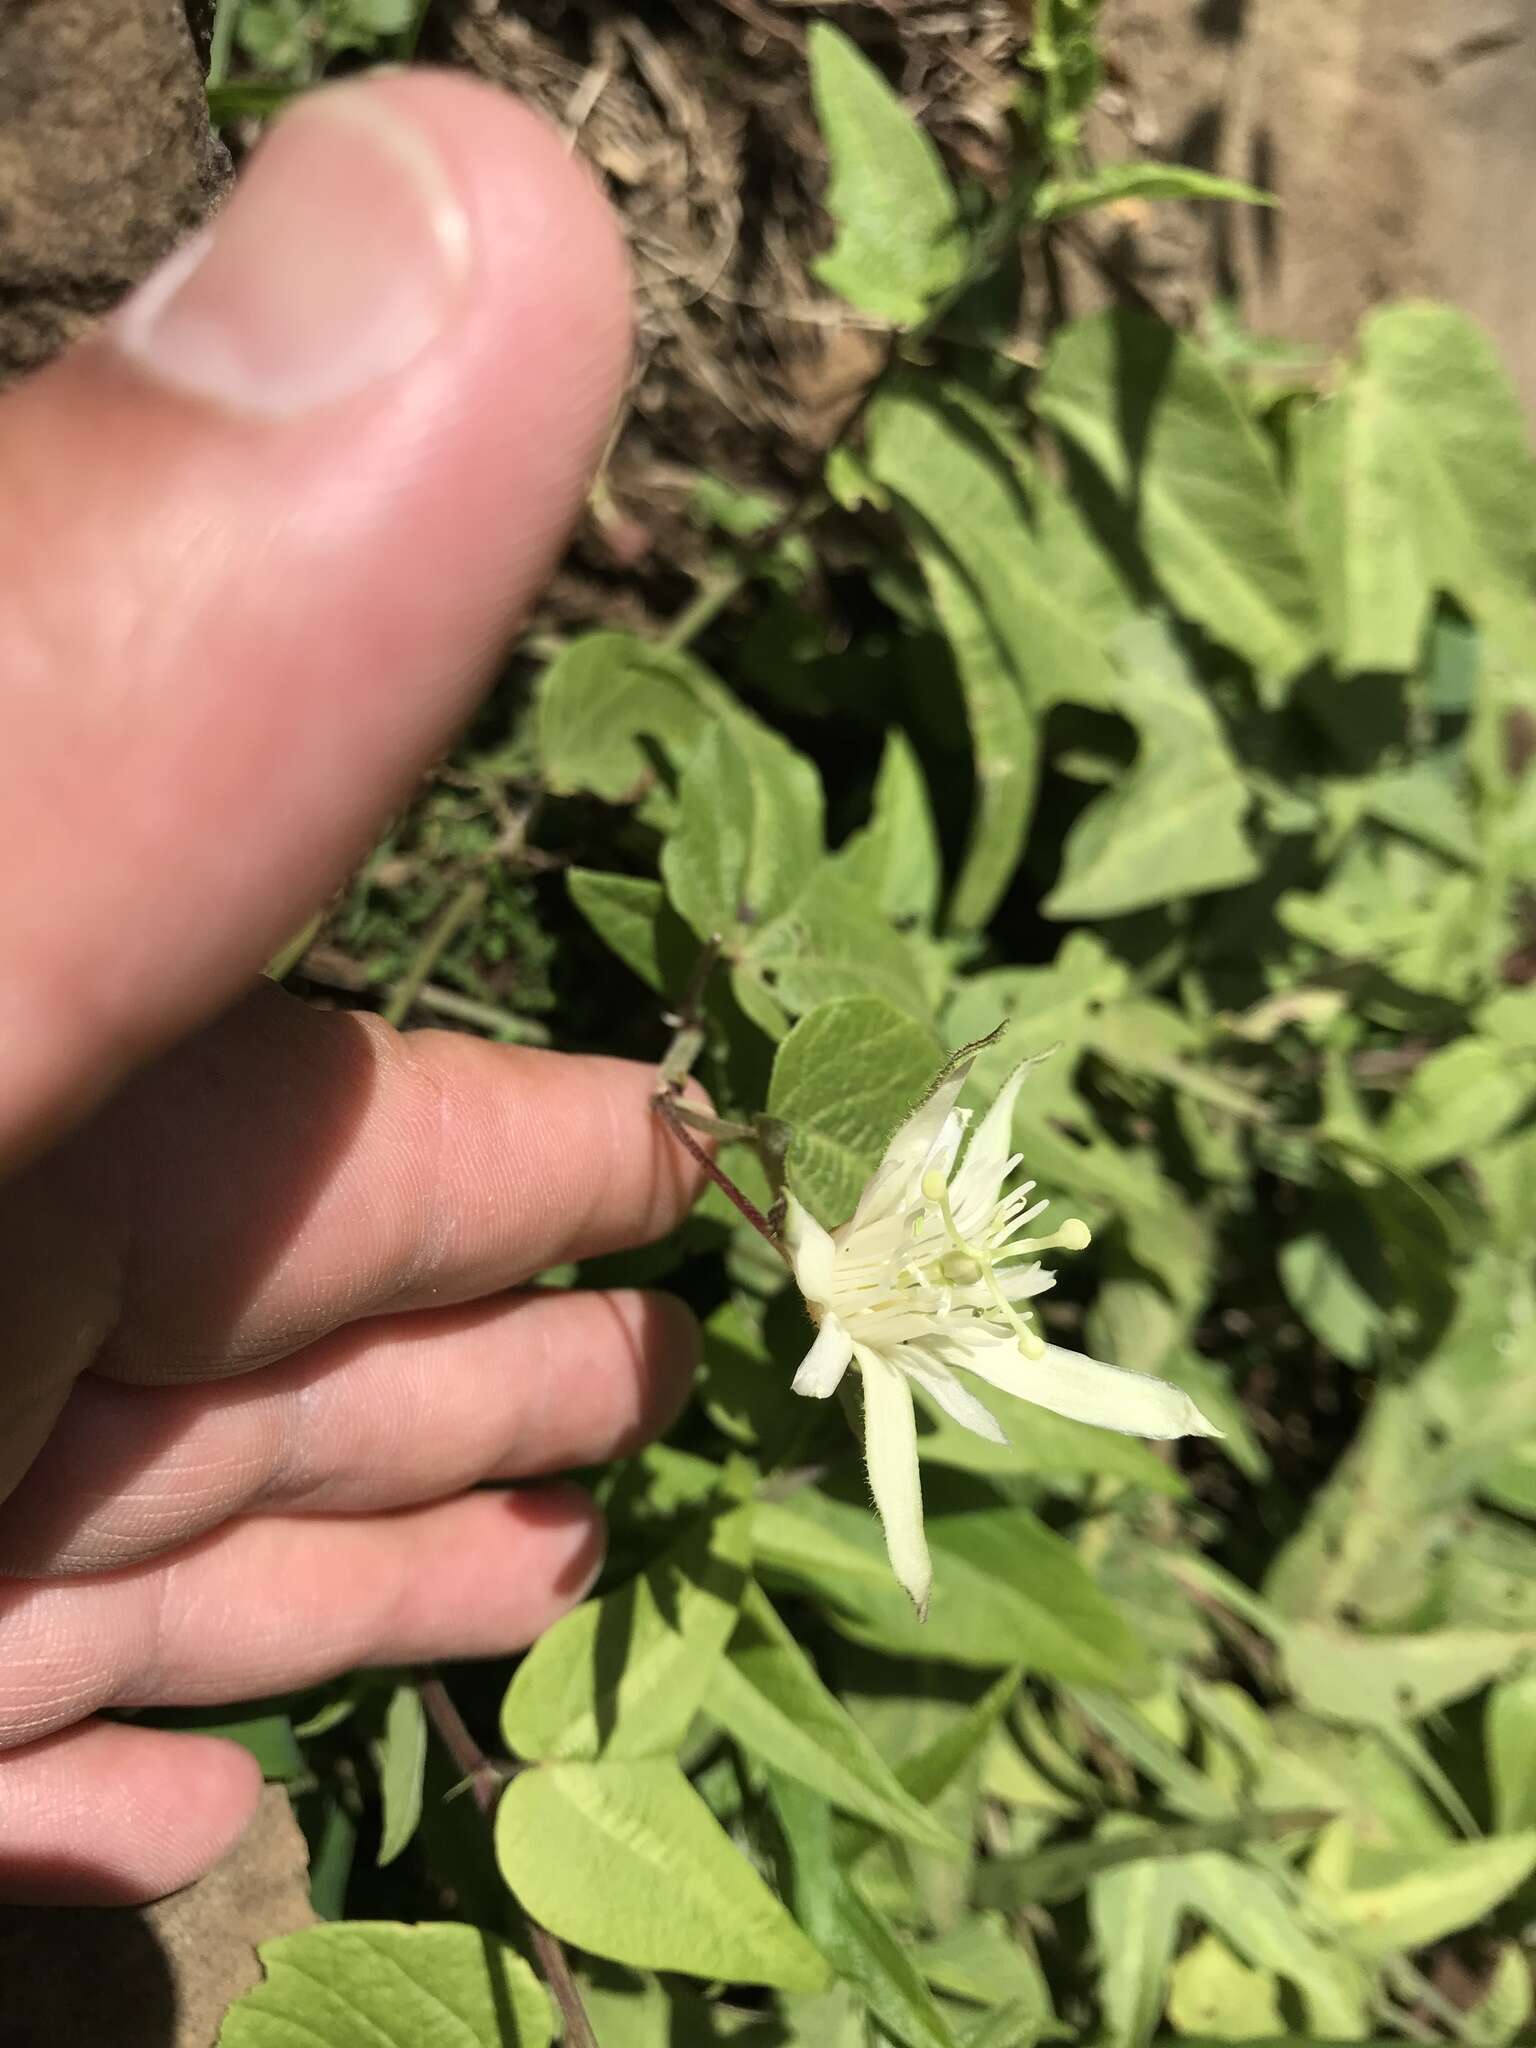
(1398, 135)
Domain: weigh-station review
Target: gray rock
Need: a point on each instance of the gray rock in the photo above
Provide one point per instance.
(161, 1976)
(106, 161)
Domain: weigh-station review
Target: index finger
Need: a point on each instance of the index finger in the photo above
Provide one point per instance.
(289, 1171)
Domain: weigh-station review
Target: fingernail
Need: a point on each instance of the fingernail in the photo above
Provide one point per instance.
(340, 256)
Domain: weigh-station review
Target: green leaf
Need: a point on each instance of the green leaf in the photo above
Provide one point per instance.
(900, 242)
(1052, 1009)
(1502, 2015)
(1469, 480)
(1007, 2026)
(331, 1833)
(1135, 1912)
(835, 941)
(1006, 1591)
(1211, 1389)
(249, 98)
(1173, 828)
(1396, 906)
(1383, 1681)
(633, 918)
(950, 462)
(624, 1675)
(843, 1080)
(1004, 733)
(1050, 1876)
(767, 1694)
(983, 1963)
(1256, 1914)
(1355, 489)
(1060, 198)
(931, 1770)
(1362, 1776)
(1510, 1741)
(1136, 1736)
(1372, 1534)
(1174, 825)
(1198, 481)
(1211, 1990)
(402, 1762)
(271, 1739)
(373, 1984)
(1044, 1445)
(603, 697)
(895, 858)
(1460, 1099)
(624, 1859)
(858, 1941)
(1337, 1282)
(749, 832)
(744, 1392)
(1020, 641)
(1489, 1578)
(1406, 1899)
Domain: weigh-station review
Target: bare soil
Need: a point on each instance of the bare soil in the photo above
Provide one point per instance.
(106, 161)
(1398, 135)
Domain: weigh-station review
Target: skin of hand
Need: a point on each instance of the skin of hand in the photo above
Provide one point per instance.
(261, 1330)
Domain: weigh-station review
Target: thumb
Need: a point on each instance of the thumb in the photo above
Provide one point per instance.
(260, 540)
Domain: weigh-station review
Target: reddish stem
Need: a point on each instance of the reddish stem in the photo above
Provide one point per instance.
(665, 1105)
(486, 1782)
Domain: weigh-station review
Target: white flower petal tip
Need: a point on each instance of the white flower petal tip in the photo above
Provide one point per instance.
(1202, 1425)
(822, 1368)
(812, 1253)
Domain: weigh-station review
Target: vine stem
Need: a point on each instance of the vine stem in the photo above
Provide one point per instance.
(716, 592)
(225, 15)
(440, 935)
(679, 1118)
(486, 1783)
(670, 1110)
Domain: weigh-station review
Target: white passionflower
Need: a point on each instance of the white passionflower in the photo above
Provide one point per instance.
(933, 1273)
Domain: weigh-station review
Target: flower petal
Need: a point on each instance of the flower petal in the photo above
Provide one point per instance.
(1023, 1283)
(957, 1401)
(915, 1139)
(823, 1366)
(1085, 1390)
(811, 1250)
(890, 1451)
(981, 1171)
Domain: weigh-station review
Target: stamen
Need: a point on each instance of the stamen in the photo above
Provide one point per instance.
(1029, 1343)
(1073, 1236)
(936, 1190)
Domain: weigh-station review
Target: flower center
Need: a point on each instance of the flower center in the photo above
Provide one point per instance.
(969, 1263)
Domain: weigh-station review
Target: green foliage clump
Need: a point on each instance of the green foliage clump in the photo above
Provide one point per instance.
(1183, 721)
(294, 39)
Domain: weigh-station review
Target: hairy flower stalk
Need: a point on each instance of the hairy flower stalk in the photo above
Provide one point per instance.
(934, 1273)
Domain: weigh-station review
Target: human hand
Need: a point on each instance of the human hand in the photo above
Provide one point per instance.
(257, 544)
